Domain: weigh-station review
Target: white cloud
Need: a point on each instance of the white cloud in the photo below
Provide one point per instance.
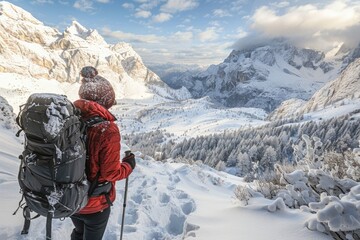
(162, 17)
(63, 2)
(86, 5)
(83, 5)
(150, 4)
(241, 33)
(306, 18)
(42, 1)
(176, 47)
(183, 36)
(210, 34)
(186, 53)
(215, 24)
(280, 4)
(237, 5)
(142, 14)
(238, 34)
(190, 28)
(187, 20)
(131, 37)
(310, 25)
(177, 37)
(204, 54)
(128, 5)
(181, 26)
(221, 13)
(173, 6)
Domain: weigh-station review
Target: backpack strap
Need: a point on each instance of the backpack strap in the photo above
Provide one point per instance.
(27, 220)
(93, 121)
(93, 184)
(103, 188)
(26, 214)
(18, 121)
(49, 218)
(108, 201)
(88, 124)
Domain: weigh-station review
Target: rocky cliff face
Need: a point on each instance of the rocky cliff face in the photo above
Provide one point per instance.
(266, 76)
(30, 48)
(344, 90)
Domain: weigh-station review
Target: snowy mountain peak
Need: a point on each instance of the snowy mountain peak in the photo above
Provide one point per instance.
(95, 37)
(334, 51)
(277, 51)
(77, 29)
(90, 35)
(348, 54)
(15, 13)
(123, 47)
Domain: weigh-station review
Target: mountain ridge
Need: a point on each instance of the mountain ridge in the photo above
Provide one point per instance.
(266, 75)
(30, 48)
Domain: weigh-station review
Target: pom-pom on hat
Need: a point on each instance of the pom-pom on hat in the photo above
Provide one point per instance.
(96, 88)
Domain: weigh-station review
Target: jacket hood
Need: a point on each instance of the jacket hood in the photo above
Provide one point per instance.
(91, 109)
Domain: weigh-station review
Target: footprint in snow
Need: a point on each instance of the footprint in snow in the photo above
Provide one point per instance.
(188, 207)
(131, 216)
(129, 229)
(164, 198)
(137, 198)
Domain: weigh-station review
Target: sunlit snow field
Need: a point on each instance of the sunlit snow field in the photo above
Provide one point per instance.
(165, 200)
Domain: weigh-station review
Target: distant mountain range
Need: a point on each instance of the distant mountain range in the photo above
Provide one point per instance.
(272, 76)
(171, 73)
(265, 76)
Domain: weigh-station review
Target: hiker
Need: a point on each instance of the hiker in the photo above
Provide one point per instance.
(103, 139)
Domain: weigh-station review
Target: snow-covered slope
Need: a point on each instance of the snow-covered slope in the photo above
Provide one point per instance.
(29, 48)
(265, 76)
(165, 201)
(288, 108)
(189, 118)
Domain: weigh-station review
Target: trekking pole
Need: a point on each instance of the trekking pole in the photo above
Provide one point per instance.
(127, 153)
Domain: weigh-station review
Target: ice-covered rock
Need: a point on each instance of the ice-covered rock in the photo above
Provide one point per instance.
(7, 116)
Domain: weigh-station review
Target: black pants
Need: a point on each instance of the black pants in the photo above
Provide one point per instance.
(90, 226)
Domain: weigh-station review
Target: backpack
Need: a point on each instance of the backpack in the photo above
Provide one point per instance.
(52, 174)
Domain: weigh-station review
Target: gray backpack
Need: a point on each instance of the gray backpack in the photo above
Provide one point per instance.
(52, 174)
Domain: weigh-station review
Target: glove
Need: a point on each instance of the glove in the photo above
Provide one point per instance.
(130, 160)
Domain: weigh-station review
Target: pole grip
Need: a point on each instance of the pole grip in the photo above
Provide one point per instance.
(127, 153)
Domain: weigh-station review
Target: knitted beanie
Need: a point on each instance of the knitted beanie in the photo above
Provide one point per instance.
(96, 88)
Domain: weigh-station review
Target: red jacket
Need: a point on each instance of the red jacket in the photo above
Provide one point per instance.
(104, 153)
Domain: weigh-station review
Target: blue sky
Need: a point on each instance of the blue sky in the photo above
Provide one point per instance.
(204, 31)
